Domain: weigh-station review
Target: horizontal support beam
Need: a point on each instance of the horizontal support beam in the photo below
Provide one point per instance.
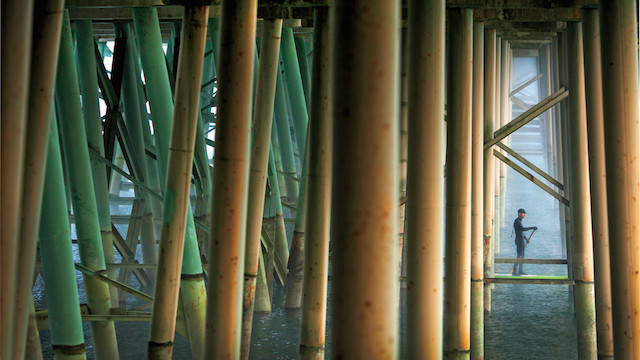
(529, 15)
(538, 171)
(525, 281)
(505, 28)
(529, 176)
(469, 4)
(527, 116)
(529, 261)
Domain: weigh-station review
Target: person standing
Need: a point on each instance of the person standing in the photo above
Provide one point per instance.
(520, 244)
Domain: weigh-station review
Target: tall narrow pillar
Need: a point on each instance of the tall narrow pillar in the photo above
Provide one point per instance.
(284, 140)
(580, 199)
(458, 184)
(262, 124)
(135, 126)
(17, 20)
(477, 195)
(318, 190)
(505, 118)
(425, 178)
(176, 203)
(61, 288)
(230, 179)
(489, 159)
(619, 34)
(158, 90)
(44, 61)
(598, 181)
(294, 87)
(78, 170)
(88, 76)
(497, 227)
(365, 179)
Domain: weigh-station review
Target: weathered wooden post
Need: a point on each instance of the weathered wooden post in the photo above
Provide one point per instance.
(425, 179)
(88, 76)
(158, 90)
(619, 34)
(230, 179)
(67, 339)
(78, 169)
(366, 43)
(44, 61)
(458, 184)
(318, 190)
(598, 182)
(262, 124)
(477, 195)
(489, 160)
(582, 253)
(17, 20)
(178, 181)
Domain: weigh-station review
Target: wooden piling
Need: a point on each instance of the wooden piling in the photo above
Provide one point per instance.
(458, 185)
(44, 60)
(489, 161)
(262, 124)
(425, 178)
(477, 195)
(366, 44)
(230, 179)
(80, 181)
(582, 253)
(180, 164)
(619, 34)
(318, 190)
(17, 20)
(598, 181)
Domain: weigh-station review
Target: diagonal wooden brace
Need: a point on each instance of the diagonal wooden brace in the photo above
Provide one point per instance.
(527, 116)
(529, 176)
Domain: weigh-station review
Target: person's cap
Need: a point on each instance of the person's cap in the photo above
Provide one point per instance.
(521, 211)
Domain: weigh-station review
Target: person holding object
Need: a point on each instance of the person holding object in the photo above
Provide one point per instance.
(520, 241)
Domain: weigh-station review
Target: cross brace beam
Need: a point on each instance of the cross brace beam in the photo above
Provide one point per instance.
(529, 176)
(527, 116)
(539, 171)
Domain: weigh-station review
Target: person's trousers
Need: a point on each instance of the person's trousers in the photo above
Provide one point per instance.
(517, 268)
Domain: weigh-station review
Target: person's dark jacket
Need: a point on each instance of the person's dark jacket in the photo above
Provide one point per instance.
(517, 226)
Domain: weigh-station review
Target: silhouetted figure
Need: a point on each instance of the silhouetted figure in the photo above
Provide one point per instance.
(520, 244)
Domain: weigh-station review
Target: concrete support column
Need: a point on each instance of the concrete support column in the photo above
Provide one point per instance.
(78, 170)
(425, 179)
(176, 203)
(581, 199)
(318, 190)
(230, 179)
(458, 184)
(597, 176)
(44, 61)
(262, 124)
(17, 20)
(619, 34)
(366, 45)
(477, 195)
(489, 159)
